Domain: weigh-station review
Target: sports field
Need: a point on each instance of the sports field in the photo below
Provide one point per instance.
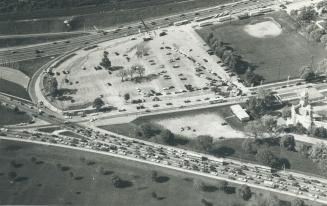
(275, 52)
(47, 175)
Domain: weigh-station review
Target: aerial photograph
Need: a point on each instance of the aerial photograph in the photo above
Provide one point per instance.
(163, 102)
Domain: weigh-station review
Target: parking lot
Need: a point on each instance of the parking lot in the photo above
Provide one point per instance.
(177, 66)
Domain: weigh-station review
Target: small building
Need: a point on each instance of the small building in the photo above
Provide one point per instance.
(240, 113)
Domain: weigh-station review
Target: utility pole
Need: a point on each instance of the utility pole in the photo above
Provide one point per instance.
(279, 69)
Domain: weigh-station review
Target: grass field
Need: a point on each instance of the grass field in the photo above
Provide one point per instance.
(288, 51)
(8, 117)
(48, 175)
(29, 67)
(13, 89)
(196, 118)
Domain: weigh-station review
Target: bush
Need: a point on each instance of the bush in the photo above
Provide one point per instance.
(244, 192)
(249, 146)
(288, 142)
(266, 157)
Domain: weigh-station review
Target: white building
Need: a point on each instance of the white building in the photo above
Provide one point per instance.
(240, 113)
(303, 112)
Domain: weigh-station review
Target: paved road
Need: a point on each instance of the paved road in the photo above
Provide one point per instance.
(257, 176)
(130, 29)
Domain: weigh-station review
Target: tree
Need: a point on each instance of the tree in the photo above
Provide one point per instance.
(167, 137)
(148, 130)
(307, 14)
(249, 146)
(269, 124)
(98, 103)
(297, 202)
(130, 72)
(251, 78)
(51, 86)
(254, 129)
(322, 66)
(127, 96)
(210, 36)
(122, 74)
(322, 165)
(16, 109)
(323, 40)
(105, 62)
(116, 181)
(316, 34)
(288, 142)
(154, 175)
(307, 73)
(204, 143)
(222, 185)
(318, 152)
(266, 157)
(244, 192)
(138, 68)
(267, 200)
(286, 112)
(12, 175)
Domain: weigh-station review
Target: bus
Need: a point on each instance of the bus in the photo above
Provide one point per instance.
(179, 23)
(207, 23)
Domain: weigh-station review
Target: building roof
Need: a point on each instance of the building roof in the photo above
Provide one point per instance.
(239, 112)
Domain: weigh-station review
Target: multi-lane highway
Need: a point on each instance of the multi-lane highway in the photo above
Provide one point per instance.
(60, 47)
(96, 140)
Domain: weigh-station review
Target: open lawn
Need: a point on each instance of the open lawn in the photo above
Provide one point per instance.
(48, 175)
(8, 117)
(13, 89)
(29, 67)
(233, 148)
(273, 54)
(203, 121)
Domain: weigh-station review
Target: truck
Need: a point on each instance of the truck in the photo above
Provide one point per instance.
(198, 19)
(224, 18)
(270, 184)
(265, 10)
(206, 23)
(255, 13)
(183, 22)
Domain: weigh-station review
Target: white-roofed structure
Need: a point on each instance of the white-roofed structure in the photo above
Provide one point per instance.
(240, 113)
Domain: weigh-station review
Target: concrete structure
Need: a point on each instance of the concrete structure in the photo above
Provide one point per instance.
(240, 113)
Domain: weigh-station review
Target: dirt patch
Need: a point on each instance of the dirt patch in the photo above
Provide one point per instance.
(201, 124)
(266, 29)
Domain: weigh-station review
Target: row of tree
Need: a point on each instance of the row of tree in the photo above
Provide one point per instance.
(135, 69)
(233, 60)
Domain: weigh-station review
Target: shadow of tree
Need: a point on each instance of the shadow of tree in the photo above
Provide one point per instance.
(124, 184)
(21, 179)
(162, 179)
(222, 151)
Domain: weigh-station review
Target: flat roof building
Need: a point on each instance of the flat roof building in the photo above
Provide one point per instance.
(240, 113)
